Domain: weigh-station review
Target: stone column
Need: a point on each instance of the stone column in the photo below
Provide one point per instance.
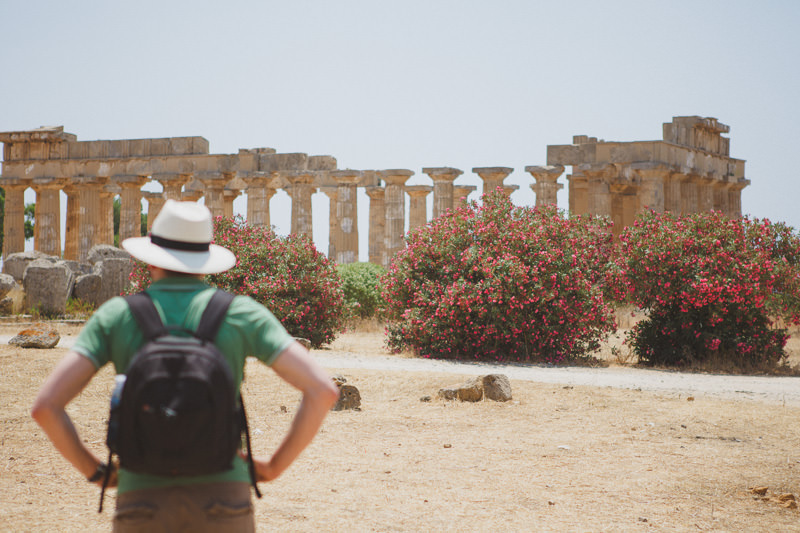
(172, 184)
(443, 178)
(14, 218)
(48, 215)
(346, 215)
(377, 224)
(395, 211)
(107, 194)
(214, 184)
(546, 186)
(259, 192)
(492, 177)
(721, 189)
(228, 196)
(651, 186)
(688, 194)
(91, 216)
(333, 221)
(461, 195)
(155, 201)
(509, 189)
(578, 194)
(705, 194)
(672, 193)
(72, 222)
(735, 198)
(418, 211)
(599, 193)
(192, 191)
(130, 205)
(301, 184)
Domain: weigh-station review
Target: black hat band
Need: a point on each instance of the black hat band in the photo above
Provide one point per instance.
(179, 245)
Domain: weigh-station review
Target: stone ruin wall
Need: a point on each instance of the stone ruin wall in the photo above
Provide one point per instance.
(688, 171)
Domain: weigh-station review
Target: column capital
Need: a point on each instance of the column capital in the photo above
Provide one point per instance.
(298, 177)
(548, 173)
(47, 183)
(397, 176)
(23, 183)
(442, 173)
(418, 190)
(375, 192)
(346, 176)
(493, 173)
(129, 181)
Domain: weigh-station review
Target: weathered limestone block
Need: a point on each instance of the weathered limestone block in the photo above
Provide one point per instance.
(106, 251)
(7, 306)
(496, 387)
(37, 336)
(15, 264)
(114, 275)
(7, 282)
(471, 391)
(492, 387)
(77, 267)
(87, 288)
(47, 286)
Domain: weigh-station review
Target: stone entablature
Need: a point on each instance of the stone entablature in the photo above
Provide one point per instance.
(689, 171)
(686, 172)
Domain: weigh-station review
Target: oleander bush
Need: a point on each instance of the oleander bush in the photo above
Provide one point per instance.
(499, 282)
(286, 274)
(712, 288)
(361, 285)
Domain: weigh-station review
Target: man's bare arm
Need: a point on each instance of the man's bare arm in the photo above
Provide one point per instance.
(67, 380)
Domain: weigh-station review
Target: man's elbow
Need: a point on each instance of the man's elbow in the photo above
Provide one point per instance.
(42, 412)
(328, 393)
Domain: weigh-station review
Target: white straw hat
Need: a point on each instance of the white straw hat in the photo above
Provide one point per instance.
(181, 241)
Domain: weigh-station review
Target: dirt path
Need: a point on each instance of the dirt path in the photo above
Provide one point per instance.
(364, 351)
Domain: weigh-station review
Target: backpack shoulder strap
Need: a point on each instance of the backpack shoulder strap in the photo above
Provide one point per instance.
(213, 315)
(146, 315)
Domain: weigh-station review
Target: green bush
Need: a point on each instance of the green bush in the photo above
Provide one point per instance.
(361, 284)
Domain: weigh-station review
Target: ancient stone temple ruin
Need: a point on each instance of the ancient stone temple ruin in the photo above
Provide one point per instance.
(688, 171)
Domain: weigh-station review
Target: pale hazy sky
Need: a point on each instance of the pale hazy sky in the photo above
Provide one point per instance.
(412, 84)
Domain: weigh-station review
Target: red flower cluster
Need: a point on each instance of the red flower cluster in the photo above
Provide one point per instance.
(711, 286)
(287, 274)
(499, 282)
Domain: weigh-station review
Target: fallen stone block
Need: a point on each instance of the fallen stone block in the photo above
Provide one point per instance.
(37, 336)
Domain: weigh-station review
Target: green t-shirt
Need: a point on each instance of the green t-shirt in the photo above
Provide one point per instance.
(111, 335)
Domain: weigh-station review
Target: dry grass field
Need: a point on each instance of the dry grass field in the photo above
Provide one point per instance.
(555, 458)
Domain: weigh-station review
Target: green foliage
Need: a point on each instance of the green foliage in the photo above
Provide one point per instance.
(286, 274)
(30, 220)
(361, 284)
(500, 282)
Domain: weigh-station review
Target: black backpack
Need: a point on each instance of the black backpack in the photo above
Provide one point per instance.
(178, 413)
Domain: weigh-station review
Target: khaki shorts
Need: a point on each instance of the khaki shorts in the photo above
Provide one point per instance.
(197, 508)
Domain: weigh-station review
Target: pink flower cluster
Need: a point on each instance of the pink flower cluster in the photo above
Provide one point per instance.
(710, 285)
(287, 274)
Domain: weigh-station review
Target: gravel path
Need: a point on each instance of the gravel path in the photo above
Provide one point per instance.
(772, 390)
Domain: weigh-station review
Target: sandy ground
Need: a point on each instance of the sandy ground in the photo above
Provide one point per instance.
(577, 449)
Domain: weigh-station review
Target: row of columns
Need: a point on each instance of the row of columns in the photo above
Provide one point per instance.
(622, 192)
(609, 191)
(89, 218)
